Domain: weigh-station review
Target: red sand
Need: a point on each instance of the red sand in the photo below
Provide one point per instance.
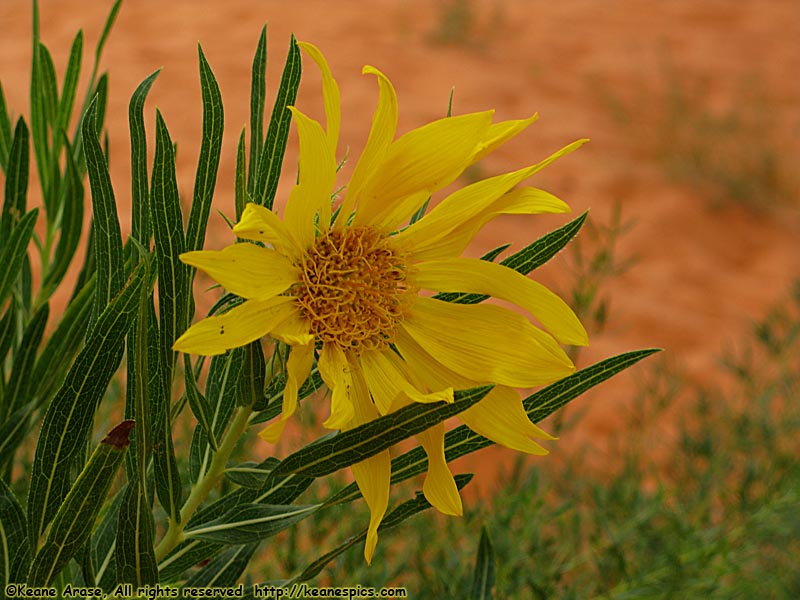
(702, 274)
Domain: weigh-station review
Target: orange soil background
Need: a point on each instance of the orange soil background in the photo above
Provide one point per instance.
(703, 273)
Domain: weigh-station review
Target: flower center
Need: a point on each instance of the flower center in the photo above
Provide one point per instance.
(354, 289)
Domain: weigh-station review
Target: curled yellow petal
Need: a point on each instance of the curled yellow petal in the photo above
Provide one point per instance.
(499, 134)
(386, 378)
(311, 197)
(297, 369)
(245, 269)
(262, 225)
(439, 487)
(500, 417)
(237, 327)
(330, 95)
(381, 134)
(423, 160)
(482, 277)
(468, 203)
(486, 343)
(337, 374)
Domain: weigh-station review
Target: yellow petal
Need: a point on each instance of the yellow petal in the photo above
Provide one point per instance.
(486, 343)
(467, 203)
(388, 381)
(499, 134)
(316, 176)
(262, 225)
(373, 474)
(381, 134)
(439, 487)
(423, 160)
(246, 270)
(297, 369)
(336, 373)
(482, 277)
(527, 201)
(430, 371)
(293, 331)
(330, 95)
(237, 327)
(500, 417)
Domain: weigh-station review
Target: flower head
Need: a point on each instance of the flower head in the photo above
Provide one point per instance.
(347, 289)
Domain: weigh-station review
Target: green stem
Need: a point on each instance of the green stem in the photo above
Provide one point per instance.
(206, 483)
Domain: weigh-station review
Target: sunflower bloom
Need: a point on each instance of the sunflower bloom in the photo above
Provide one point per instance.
(346, 291)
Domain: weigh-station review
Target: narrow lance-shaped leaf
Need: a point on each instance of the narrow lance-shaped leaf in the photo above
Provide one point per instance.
(250, 523)
(240, 178)
(70, 415)
(41, 148)
(225, 569)
(208, 163)
(15, 550)
(134, 556)
(140, 212)
(21, 383)
(344, 449)
(70, 85)
(14, 252)
(483, 577)
(63, 344)
(71, 224)
(5, 130)
(75, 519)
(271, 158)
(107, 237)
(16, 187)
(258, 93)
(165, 215)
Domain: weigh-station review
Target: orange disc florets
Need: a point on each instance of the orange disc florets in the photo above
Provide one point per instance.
(354, 288)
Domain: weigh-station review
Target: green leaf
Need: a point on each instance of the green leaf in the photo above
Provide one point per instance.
(13, 430)
(407, 509)
(107, 237)
(223, 378)
(251, 474)
(165, 215)
(20, 383)
(61, 347)
(15, 551)
(5, 131)
(254, 374)
(8, 332)
(271, 159)
(225, 569)
(69, 417)
(198, 403)
(258, 93)
(135, 556)
(14, 252)
(68, 89)
(483, 579)
(104, 542)
(140, 211)
(207, 165)
(70, 226)
(250, 523)
(526, 260)
(349, 447)
(492, 254)
(16, 187)
(240, 178)
(74, 521)
(41, 148)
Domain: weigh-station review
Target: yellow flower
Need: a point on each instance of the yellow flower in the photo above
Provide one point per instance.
(348, 289)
